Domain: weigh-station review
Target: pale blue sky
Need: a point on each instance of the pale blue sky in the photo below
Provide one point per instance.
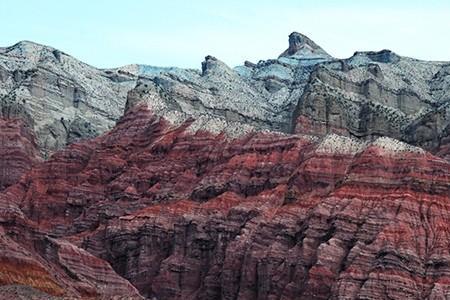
(180, 33)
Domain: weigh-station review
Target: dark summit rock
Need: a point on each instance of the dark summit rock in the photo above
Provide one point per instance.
(249, 64)
(208, 63)
(375, 70)
(299, 43)
(57, 55)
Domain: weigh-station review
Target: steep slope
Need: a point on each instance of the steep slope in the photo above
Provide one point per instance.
(284, 179)
(305, 90)
(202, 216)
(59, 97)
(259, 96)
(376, 94)
(18, 151)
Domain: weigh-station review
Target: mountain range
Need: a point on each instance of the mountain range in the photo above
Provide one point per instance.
(300, 177)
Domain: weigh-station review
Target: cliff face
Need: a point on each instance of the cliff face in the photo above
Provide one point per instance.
(60, 98)
(285, 179)
(305, 90)
(18, 151)
(366, 98)
(182, 214)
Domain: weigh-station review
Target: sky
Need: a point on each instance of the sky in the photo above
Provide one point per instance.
(181, 33)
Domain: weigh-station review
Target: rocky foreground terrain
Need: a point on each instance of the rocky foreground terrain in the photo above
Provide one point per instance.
(301, 177)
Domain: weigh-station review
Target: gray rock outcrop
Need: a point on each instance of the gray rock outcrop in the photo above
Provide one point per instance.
(305, 90)
(61, 98)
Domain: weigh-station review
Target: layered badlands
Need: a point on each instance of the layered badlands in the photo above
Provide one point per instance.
(201, 216)
(170, 204)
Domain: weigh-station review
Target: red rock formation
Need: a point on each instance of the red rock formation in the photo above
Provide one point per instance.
(199, 216)
(32, 258)
(18, 151)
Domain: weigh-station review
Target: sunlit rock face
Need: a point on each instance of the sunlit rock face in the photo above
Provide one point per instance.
(302, 177)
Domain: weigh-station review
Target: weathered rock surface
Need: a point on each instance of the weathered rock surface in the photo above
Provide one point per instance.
(305, 90)
(61, 98)
(44, 267)
(367, 97)
(260, 96)
(283, 179)
(264, 216)
(18, 151)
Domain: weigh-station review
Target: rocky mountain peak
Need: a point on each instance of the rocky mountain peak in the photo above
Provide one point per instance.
(298, 40)
(208, 64)
(302, 46)
(213, 66)
(29, 54)
(25, 49)
(24, 44)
